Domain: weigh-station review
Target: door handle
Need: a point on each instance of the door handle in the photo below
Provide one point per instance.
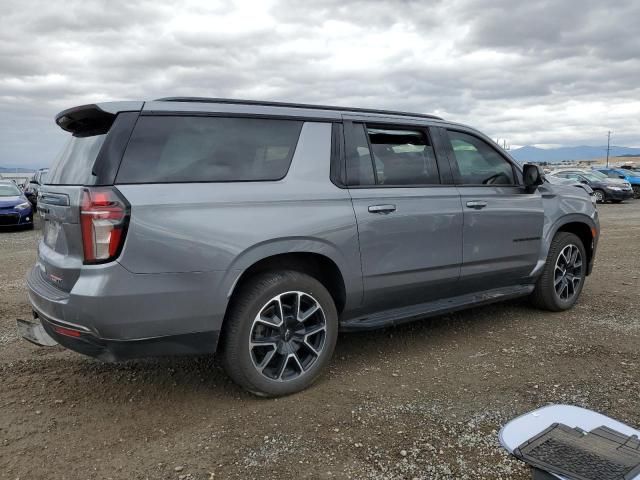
(384, 209)
(477, 204)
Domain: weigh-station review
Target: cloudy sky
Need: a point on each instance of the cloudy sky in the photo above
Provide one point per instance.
(536, 72)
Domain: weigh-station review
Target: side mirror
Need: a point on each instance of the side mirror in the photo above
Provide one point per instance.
(533, 176)
(584, 181)
(621, 176)
(35, 182)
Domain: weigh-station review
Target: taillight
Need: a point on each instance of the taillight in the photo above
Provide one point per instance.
(104, 216)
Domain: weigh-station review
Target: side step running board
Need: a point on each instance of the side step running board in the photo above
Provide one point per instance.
(397, 316)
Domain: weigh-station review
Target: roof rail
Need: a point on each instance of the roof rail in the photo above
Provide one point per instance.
(293, 105)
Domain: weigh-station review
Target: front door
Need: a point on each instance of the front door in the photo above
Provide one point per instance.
(502, 226)
(409, 223)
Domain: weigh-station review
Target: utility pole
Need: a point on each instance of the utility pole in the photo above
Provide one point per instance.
(608, 144)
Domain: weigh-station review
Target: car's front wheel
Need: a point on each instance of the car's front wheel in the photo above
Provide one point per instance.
(564, 273)
(279, 334)
(600, 196)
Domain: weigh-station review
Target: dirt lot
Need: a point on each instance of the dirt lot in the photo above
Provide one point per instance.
(422, 401)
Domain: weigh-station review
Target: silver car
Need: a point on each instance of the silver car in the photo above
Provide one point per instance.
(259, 230)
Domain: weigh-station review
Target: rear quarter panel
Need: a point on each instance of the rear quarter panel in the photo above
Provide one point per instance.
(226, 227)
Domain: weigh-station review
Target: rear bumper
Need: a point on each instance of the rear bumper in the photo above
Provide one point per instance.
(114, 350)
(113, 314)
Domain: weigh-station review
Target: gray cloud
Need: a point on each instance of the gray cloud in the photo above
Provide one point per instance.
(544, 72)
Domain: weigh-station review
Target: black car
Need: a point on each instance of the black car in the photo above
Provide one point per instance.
(604, 188)
(32, 188)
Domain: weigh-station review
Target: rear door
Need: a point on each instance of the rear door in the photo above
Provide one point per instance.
(94, 148)
(409, 221)
(503, 223)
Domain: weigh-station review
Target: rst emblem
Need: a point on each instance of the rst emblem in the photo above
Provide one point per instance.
(54, 278)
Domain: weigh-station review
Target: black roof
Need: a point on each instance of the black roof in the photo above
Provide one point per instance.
(294, 105)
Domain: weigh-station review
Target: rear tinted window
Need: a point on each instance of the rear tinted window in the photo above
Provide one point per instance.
(208, 149)
(74, 164)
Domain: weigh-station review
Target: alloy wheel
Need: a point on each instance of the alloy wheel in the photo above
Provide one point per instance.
(568, 272)
(287, 336)
(599, 196)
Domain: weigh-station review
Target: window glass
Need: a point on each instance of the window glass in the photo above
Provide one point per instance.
(359, 166)
(402, 157)
(208, 149)
(478, 163)
(597, 175)
(8, 190)
(74, 164)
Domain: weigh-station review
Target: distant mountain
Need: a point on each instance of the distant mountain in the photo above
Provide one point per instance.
(16, 170)
(556, 155)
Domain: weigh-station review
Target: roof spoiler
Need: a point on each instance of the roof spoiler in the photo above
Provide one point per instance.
(93, 119)
(85, 120)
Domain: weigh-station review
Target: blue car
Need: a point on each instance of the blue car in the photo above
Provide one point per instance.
(15, 209)
(630, 176)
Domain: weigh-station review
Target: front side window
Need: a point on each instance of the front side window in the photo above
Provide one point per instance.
(478, 163)
(387, 156)
(173, 149)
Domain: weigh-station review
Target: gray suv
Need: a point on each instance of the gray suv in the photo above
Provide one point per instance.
(259, 230)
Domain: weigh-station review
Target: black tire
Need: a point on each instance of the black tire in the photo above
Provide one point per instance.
(600, 195)
(238, 357)
(636, 191)
(544, 295)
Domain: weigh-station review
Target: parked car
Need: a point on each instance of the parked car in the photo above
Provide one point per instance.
(260, 229)
(567, 181)
(605, 189)
(15, 209)
(32, 188)
(629, 175)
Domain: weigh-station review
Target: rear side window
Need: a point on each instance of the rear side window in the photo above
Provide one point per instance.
(74, 164)
(400, 157)
(172, 149)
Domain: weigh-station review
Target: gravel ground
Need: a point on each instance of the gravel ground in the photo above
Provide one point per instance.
(421, 401)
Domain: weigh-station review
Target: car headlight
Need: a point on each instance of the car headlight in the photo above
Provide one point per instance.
(23, 206)
(615, 188)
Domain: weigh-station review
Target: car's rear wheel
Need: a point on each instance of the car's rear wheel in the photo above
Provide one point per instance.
(636, 191)
(563, 276)
(600, 196)
(279, 334)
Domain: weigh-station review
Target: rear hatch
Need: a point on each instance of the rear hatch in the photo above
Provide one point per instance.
(86, 164)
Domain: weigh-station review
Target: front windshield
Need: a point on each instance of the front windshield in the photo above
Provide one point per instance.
(8, 190)
(596, 175)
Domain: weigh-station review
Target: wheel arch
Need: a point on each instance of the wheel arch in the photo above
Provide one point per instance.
(584, 227)
(317, 258)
